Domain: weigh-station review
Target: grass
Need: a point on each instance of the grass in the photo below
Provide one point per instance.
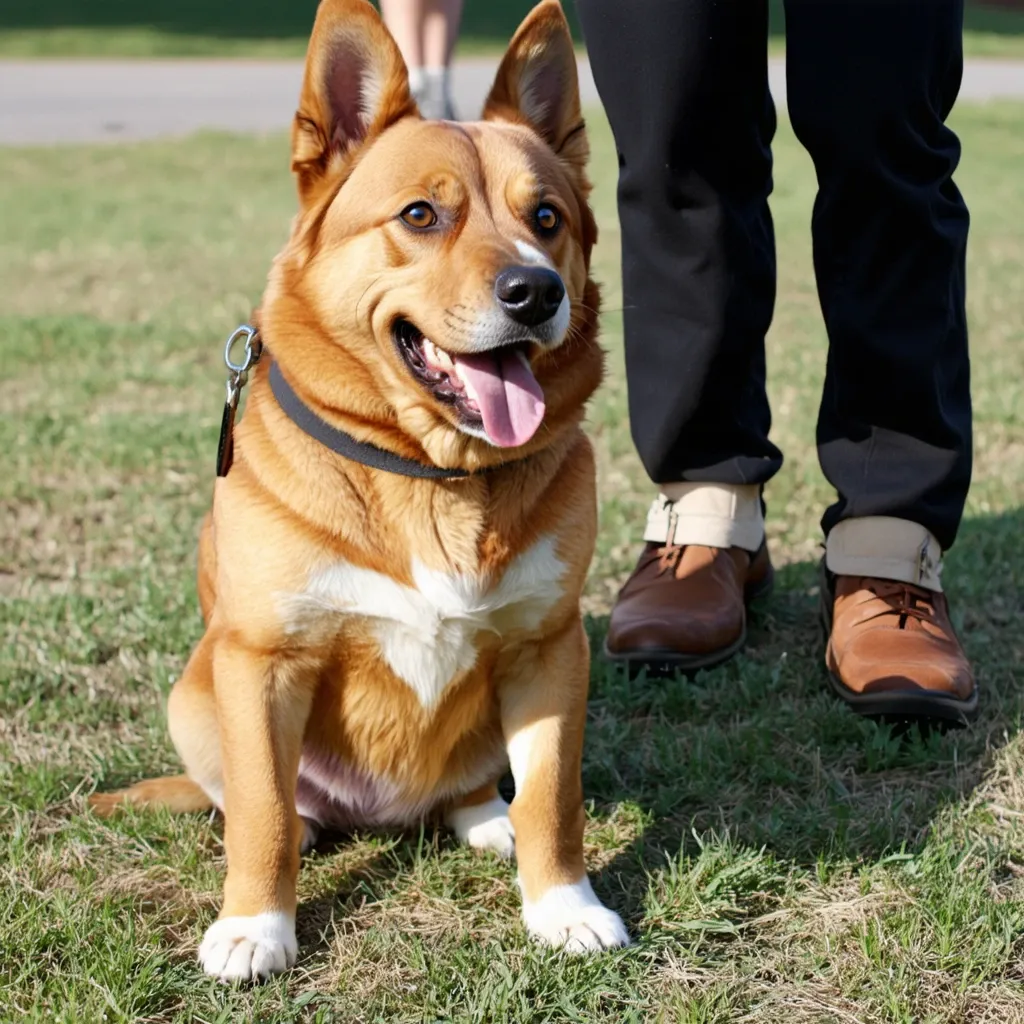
(280, 28)
(777, 859)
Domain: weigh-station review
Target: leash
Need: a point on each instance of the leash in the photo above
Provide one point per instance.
(238, 377)
(306, 419)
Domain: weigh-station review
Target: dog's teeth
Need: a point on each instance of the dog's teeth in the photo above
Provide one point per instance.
(437, 356)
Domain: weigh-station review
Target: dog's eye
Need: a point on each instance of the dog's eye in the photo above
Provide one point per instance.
(419, 215)
(547, 219)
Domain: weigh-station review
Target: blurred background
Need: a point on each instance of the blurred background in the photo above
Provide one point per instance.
(244, 72)
(280, 28)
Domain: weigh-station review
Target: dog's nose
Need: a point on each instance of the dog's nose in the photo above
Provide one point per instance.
(530, 295)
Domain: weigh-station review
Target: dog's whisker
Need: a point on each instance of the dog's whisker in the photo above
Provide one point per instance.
(461, 319)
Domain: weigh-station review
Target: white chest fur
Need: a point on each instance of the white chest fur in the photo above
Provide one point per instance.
(427, 631)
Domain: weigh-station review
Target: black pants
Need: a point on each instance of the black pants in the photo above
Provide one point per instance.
(870, 84)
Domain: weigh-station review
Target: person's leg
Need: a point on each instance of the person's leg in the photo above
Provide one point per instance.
(685, 86)
(870, 87)
(405, 21)
(440, 31)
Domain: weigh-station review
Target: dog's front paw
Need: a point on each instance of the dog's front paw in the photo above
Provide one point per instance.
(249, 948)
(572, 917)
(485, 827)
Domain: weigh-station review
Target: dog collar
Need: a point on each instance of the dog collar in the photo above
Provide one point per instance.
(345, 444)
(308, 421)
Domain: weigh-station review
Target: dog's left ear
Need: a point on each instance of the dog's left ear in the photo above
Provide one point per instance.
(355, 85)
(537, 84)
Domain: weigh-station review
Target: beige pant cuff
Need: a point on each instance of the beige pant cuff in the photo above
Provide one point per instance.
(713, 515)
(885, 548)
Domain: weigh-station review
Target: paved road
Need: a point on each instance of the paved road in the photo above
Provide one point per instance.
(82, 101)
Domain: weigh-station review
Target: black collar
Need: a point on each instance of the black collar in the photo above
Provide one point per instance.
(345, 444)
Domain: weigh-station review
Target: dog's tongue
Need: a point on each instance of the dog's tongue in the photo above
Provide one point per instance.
(510, 399)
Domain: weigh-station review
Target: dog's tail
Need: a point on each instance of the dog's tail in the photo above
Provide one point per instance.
(178, 793)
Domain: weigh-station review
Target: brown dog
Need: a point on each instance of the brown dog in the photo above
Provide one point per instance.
(380, 646)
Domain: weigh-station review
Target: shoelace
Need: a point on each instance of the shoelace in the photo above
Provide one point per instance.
(670, 552)
(903, 599)
(668, 557)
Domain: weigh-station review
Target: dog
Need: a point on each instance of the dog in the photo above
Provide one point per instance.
(392, 623)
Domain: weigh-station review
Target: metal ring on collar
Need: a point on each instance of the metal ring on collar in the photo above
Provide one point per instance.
(253, 348)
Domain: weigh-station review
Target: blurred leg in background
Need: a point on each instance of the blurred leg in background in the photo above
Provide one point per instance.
(426, 31)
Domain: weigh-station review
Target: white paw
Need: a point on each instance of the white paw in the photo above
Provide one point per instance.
(310, 834)
(485, 827)
(249, 948)
(572, 917)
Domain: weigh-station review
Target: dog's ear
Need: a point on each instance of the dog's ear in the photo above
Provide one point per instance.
(355, 85)
(537, 84)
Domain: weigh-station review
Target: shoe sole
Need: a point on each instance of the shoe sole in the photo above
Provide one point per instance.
(660, 663)
(923, 707)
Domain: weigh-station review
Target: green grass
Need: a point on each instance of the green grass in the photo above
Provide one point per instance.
(280, 28)
(777, 859)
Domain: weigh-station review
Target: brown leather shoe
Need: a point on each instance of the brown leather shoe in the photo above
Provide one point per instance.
(892, 652)
(684, 607)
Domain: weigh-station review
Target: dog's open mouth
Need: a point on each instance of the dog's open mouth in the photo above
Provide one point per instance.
(493, 390)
